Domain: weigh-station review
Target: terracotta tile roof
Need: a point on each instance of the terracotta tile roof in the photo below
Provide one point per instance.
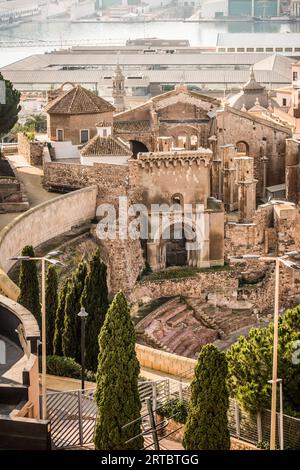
(132, 126)
(79, 100)
(105, 146)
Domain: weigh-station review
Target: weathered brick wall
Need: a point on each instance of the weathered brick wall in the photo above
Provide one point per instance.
(31, 151)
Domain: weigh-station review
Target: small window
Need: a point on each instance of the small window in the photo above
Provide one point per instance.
(250, 49)
(259, 49)
(177, 200)
(231, 49)
(297, 49)
(269, 49)
(288, 49)
(295, 76)
(240, 49)
(84, 136)
(283, 101)
(279, 49)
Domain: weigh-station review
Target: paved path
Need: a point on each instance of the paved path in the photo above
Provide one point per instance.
(31, 177)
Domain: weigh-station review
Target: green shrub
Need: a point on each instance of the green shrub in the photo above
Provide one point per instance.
(175, 409)
(67, 367)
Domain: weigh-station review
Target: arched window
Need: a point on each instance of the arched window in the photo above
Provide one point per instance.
(242, 147)
(177, 199)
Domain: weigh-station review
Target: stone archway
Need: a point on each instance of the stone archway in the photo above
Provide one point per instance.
(137, 147)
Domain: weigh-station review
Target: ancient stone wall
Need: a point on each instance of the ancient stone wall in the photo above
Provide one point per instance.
(31, 151)
(292, 170)
(111, 180)
(241, 239)
(225, 281)
(124, 260)
(260, 136)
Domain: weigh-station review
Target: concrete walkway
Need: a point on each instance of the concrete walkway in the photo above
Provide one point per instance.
(31, 177)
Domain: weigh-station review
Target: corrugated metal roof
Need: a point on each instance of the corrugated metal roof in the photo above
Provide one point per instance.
(154, 76)
(41, 61)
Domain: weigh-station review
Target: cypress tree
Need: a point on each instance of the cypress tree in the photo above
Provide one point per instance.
(51, 306)
(117, 393)
(207, 424)
(59, 320)
(95, 301)
(71, 332)
(29, 285)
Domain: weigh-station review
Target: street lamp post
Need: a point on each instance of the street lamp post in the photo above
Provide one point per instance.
(284, 259)
(82, 315)
(44, 259)
(281, 441)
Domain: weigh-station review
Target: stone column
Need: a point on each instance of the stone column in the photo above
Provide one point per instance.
(246, 188)
(264, 175)
(153, 255)
(229, 172)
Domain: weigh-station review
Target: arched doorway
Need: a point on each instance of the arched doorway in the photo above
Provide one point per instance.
(137, 146)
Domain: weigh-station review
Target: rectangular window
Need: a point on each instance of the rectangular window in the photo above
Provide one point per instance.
(84, 135)
(250, 49)
(59, 135)
(283, 101)
(295, 76)
(240, 49)
(269, 49)
(259, 49)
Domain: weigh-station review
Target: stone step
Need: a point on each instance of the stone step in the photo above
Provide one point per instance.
(179, 317)
(171, 312)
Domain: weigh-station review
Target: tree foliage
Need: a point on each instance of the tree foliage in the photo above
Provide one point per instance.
(71, 333)
(207, 423)
(29, 285)
(59, 320)
(10, 109)
(51, 306)
(250, 365)
(95, 301)
(117, 393)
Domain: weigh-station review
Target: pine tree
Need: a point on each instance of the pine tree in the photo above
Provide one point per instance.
(117, 393)
(59, 320)
(10, 109)
(250, 365)
(51, 306)
(95, 301)
(207, 424)
(71, 332)
(29, 285)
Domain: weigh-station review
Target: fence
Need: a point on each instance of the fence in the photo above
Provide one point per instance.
(73, 417)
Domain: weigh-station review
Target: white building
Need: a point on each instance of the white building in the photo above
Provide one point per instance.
(214, 8)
